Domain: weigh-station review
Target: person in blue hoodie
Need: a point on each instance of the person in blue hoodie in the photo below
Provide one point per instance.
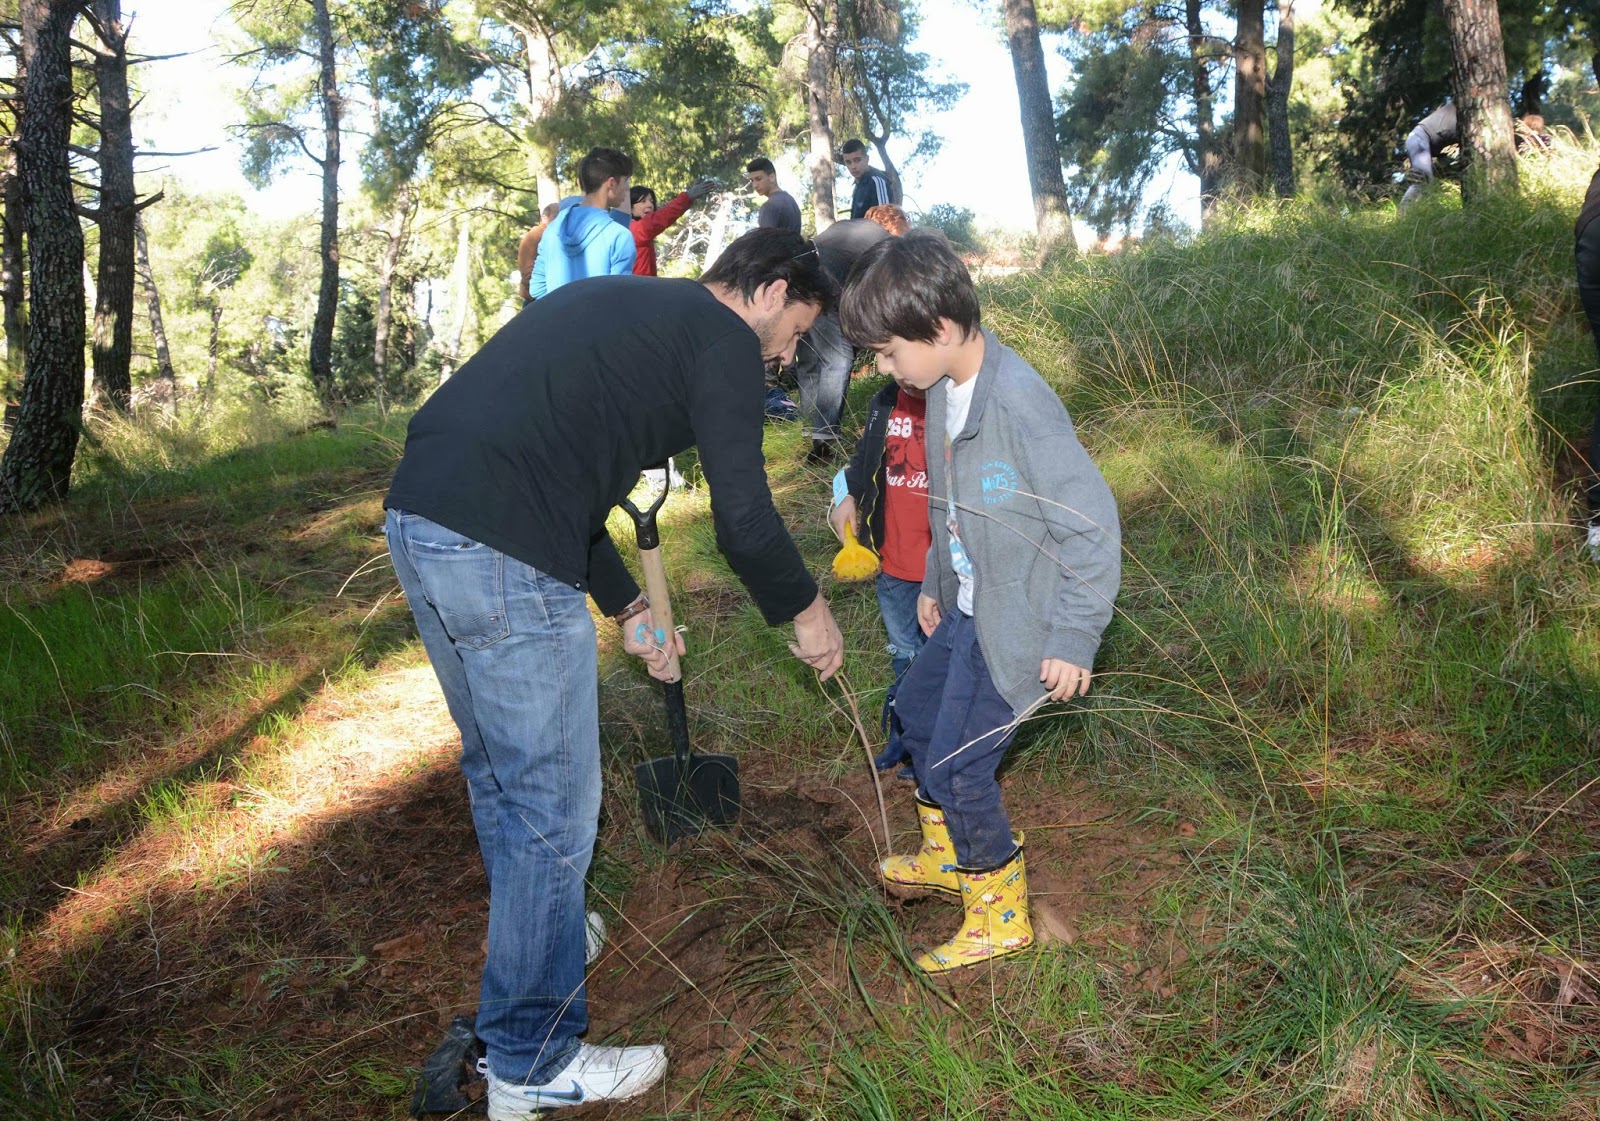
(584, 240)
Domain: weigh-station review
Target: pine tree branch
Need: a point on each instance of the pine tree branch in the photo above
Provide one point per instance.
(134, 60)
(140, 152)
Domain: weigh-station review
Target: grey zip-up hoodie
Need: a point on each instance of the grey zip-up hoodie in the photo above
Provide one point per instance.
(1045, 572)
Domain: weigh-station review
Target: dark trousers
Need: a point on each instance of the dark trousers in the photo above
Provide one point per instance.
(1588, 254)
(946, 702)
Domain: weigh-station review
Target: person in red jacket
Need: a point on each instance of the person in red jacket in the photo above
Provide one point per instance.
(651, 221)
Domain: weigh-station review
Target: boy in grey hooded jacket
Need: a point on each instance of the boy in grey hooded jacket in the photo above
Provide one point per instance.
(1021, 576)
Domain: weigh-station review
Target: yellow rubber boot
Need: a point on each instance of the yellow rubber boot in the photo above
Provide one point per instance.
(996, 923)
(932, 866)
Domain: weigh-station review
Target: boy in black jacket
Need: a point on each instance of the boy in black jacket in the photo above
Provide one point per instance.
(882, 498)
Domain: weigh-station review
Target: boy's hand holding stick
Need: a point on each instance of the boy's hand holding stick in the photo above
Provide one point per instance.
(1063, 679)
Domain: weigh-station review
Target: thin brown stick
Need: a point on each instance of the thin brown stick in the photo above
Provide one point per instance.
(866, 746)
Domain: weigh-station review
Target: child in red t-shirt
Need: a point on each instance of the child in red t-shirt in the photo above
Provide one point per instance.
(882, 498)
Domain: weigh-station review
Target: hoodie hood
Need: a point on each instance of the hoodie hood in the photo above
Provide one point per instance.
(580, 226)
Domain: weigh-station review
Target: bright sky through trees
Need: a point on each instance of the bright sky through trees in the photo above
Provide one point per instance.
(981, 166)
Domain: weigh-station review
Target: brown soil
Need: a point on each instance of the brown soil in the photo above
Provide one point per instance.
(273, 964)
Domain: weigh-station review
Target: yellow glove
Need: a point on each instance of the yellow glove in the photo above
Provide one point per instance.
(855, 561)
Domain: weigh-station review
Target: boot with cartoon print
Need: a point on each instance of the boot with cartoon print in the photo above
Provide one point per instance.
(933, 866)
(996, 921)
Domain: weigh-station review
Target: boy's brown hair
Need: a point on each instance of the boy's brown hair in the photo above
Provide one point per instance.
(903, 286)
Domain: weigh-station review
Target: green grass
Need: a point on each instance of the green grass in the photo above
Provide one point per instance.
(79, 662)
(1357, 643)
(1351, 687)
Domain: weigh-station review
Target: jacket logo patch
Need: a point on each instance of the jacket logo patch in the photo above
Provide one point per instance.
(999, 482)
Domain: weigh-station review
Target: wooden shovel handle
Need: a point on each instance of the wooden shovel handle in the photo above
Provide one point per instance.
(655, 586)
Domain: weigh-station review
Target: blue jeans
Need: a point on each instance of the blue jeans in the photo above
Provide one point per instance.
(514, 651)
(822, 368)
(948, 701)
(897, 603)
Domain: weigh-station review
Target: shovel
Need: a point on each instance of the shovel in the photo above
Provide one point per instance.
(682, 794)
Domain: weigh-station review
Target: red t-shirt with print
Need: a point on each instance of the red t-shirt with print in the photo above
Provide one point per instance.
(906, 532)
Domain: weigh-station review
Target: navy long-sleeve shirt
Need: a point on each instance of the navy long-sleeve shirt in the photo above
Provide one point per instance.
(534, 440)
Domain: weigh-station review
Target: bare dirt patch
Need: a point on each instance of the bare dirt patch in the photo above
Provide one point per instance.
(356, 941)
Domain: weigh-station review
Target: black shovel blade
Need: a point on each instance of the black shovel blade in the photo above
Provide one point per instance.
(683, 800)
(439, 1088)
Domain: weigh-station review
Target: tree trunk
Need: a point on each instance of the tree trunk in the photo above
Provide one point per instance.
(328, 289)
(1207, 163)
(387, 265)
(1051, 216)
(11, 291)
(820, 18)
(1483, 101)
(420, 331)
(213, 346)
(544, 90)
(1278, 103)
(717, 237)
(1249, 98)
(404, 342)
(876, 125)
(1208, 159)
(1534, 87)
(113, 304)
(461, 280)
(896, 192)
(167, 379)
(37, 467)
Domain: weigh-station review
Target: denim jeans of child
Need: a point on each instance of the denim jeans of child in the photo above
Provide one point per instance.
(947, 702)
(514, 651)
(897, 603)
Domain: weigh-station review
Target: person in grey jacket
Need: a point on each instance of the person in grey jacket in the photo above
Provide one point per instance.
(1022, 573)
(1433, 134)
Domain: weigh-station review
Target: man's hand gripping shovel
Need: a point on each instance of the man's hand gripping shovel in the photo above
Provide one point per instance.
(684, 793)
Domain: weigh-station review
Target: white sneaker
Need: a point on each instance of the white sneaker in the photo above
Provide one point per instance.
(594, 937)
(1594, 543)
(596, 1074)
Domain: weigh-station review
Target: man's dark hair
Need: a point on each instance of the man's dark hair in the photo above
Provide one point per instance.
(636, 195)
(852, 145)
(903, 286)
(766, 255)
(761, 163)
(602, 164)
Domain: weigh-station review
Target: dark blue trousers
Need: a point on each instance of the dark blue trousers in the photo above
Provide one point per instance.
(945, 702)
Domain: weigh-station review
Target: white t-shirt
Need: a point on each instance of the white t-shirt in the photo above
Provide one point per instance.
(957, 403)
